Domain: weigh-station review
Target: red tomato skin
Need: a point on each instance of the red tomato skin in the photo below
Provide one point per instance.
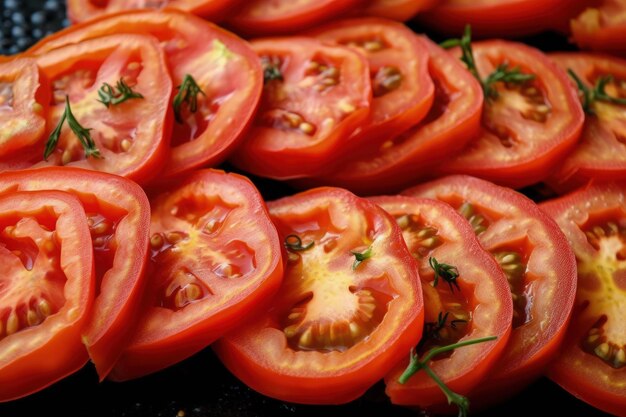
(400, 10)
(59, 351)
(118, 302)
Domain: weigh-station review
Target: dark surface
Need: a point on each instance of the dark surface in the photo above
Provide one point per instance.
(201, 386)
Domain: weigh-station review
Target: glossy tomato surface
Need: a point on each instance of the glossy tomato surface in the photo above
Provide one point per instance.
(593, 363)
(315, 96)
(24, 100)
(600, 152)
(452, 121)
(46, 289)
(398, 61)
(527, 128)
(118, 215)
(401, 10)
(475, 305)
(539, 266)
(601, 26)
(215, 261)
(222, 65)
(340, 320)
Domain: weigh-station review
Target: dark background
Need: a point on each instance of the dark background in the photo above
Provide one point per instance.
(201, 386)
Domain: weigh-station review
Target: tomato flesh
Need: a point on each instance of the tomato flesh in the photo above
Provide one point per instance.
(214, 261)
(401, 10)
(337, 325)
(600, 26)
(46, 289)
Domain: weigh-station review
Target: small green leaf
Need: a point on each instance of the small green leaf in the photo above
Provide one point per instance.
(294, 243)
(110, 97)
(447, 272)
(187, 93)
(598, 93)
(360, 257)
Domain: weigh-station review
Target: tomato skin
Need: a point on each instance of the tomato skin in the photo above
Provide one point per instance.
(400, 10)
(263, 356)
(393, 111)
(599, 153)
(514, 149)
(34, 357)
(453, 120)
(223, 65)
(549, 279)
(120, 268)
(600, 27)
(24, 124)
(282, 17)
(599, 299)
(276, 146)
(481, 282)
(168, 333)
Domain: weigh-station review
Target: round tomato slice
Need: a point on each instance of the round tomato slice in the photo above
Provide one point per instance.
(600, 152)
(23, 104)
(223, 67)
(540, 268)
(527, 127)
(453, 119)
(592, 365)
(214, 10)
(475, 305)
(118, 215)
(349, 307)
(315, 97)
(215, 260)
(46, 289)
(601, 26)
(401, 10)
(281, 17)
(398, 61)
(128, 138)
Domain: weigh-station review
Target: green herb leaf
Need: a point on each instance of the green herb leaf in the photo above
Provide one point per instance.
(81, 133)
(447, 272)
(110, 97)
(360, 257)
(294, 243)
(598, 92)
(187, 93)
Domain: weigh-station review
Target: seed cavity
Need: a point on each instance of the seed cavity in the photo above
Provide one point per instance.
(476, 220)
(182, 289)
(325, 75)
(385, 80)
(287, 120)
(598, 344)
(514, 268)
(420, 239)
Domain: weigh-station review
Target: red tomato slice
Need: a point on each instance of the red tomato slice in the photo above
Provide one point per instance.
(600, 153)
(223, 66)
(479, 306)
(23, 104)
(215, 260)
(131, 137)
(47, 288)
(528, 128)
(601, 26)
(315, 97)
(453, 119)
(337, 325)
(281, 17)
(539, 266)
(401, 10)
(118, 214)
(508, 18)
(592, 365)
(214, 10)
(398, 61)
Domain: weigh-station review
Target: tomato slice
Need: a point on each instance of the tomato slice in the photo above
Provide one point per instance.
(23, 104)
(214, 10)
(592, 365)
(539, 266)
(315, 97)
(529, 127)
(401, 10)
(600, 152)
(281, 17)
(601, 26)
(398, 61)
(215, 260)
(118, 214)
(46, 289)
(453, 119)
(337, 324)
(223, 66)
(478, 306)
(130, 136)
(509, 18)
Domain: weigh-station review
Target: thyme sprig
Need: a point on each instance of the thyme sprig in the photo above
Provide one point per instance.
(597, 93)
(360, 257)
(112, 96)
(448, 273)
(187, 93)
